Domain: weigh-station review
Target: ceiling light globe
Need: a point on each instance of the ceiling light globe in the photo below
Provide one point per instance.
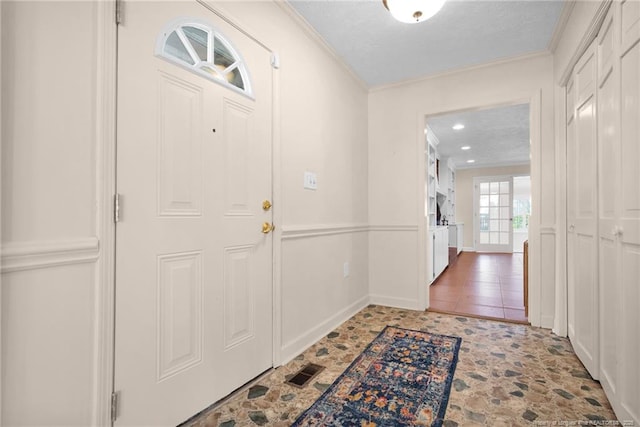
(413, 11)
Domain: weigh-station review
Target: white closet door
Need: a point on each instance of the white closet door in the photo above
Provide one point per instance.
(628, 231)
(608, 201)
(585, 245)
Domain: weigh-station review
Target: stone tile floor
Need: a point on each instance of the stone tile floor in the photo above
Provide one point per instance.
(507, 375)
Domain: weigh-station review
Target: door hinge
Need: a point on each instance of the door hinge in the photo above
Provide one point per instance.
(119, 14)
(116, 208)
(115, 406)
(275, 60)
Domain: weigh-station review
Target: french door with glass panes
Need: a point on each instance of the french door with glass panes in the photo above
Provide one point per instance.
(493, 214)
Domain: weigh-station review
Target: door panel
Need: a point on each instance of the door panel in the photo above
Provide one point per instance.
(630, 354)
(608, 202)
(179, 167)
(583, 215)
(628, 232)
(179, 313)
(494, 214)
(630, 14)
(194, 270)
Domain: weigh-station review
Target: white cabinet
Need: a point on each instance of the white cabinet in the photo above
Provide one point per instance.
(448, 175)
(431, 183)
(456, 236)
(440, 250)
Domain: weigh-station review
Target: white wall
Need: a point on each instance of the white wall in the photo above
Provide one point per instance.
(49, 211)
(464, 193)
(52, 209)
(396, 120)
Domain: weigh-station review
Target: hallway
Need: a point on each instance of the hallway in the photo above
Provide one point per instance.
(481, 284)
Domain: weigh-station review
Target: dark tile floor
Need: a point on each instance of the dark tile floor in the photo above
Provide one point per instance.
(481, 284)
(507, 375)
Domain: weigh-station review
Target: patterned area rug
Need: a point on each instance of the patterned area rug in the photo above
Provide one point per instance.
(403, 378)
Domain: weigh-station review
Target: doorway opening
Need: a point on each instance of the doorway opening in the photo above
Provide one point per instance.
(478, 195)
(521, 211)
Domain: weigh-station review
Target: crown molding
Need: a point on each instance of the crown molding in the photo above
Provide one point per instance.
(316, 37)
(493, 165)
(455, 71)
(558, 32)
(587, 38)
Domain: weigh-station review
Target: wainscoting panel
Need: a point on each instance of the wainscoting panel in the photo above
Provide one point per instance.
(393, 265)
(324, 282)
(48, 354)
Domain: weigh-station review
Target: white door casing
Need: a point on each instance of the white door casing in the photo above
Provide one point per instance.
(571, 206)
(493, 214)
(194, 270)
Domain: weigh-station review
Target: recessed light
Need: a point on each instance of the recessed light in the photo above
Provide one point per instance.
(458, 126)
(471, 161)
(466, 147)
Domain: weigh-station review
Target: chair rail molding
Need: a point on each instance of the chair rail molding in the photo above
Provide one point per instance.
(18, 256)
(318, 230)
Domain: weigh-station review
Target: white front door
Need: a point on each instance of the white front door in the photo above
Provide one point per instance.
(493, 214)
(194, 268)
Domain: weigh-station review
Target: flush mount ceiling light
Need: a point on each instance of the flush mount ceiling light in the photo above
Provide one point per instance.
(458, 126)
(413, 11)
(471, 161)
(466, 147)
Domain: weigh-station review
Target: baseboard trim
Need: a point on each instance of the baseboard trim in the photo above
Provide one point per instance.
(34, 255)
(468, 249)
(405, 303)
(295, 347)
(546, 321)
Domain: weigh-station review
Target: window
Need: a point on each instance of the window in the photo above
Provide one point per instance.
(197, 46)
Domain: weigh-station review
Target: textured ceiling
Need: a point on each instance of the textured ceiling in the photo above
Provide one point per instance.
(381, 50)
(497, 136)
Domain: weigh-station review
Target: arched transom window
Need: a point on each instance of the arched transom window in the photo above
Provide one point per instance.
(197, 46)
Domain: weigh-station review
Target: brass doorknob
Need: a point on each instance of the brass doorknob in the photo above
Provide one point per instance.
(266, 205)
(267, 228)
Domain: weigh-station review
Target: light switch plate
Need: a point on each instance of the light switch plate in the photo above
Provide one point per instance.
(310, 181)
